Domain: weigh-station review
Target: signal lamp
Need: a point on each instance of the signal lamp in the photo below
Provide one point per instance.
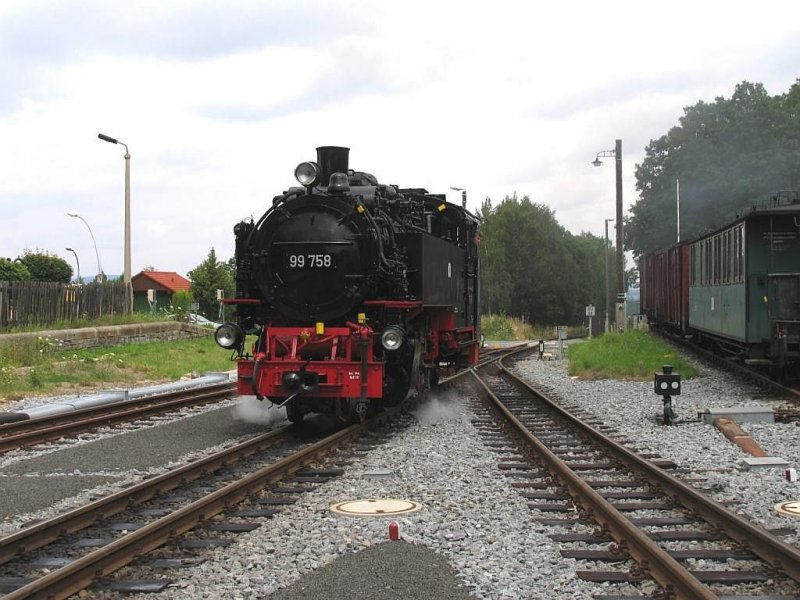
(308, 174)
(229, 335)
(392, 338)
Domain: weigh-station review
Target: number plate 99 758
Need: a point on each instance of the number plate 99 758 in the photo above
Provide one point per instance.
(308, 261)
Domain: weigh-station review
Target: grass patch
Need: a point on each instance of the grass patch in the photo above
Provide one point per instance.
(49, 370)
(631, 355)
(502, 328)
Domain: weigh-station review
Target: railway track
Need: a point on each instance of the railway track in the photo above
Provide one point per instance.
(27, 433)
(625, 515)
(163, 522)
(226, 492)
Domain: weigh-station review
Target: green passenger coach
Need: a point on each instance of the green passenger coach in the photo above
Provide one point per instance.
(743, 284)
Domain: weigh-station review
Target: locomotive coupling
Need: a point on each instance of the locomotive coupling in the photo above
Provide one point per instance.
(304, 381)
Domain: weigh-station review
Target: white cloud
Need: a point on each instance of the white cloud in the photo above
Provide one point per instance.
(219, 103)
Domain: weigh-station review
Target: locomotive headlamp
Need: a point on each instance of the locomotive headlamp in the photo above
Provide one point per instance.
(229, 335)
(392, 337)
(308, 174)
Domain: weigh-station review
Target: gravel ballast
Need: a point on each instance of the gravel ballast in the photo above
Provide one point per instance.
(470, 516)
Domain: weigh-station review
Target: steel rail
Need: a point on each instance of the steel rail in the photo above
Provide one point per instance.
(653, 560)
(766, 546)
(45, 532)
(76, 576)
(79, 574)
(42, 429)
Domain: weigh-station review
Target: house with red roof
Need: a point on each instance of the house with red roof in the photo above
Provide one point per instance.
(163, 284)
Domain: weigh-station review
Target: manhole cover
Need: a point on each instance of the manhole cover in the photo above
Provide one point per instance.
(377, 507)
(789, 509)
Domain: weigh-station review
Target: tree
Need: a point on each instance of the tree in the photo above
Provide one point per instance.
(532, 267)
(13, 270)
(728, 155)
(495, 278)
(207, 277)
(45, 266)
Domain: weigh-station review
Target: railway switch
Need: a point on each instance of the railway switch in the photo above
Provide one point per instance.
(668, 384)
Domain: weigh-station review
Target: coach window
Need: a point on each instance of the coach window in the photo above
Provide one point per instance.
(724, 257)
(742, 251)
(704, 263)
(728, 257)
(711, 245)
(702, 247)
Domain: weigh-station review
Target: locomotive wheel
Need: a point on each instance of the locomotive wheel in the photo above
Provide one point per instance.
(395, 385)
(294, 412)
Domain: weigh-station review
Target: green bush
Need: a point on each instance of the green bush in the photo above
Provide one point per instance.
(13, 271)
(497, 327)
(181, 305)
(632, 354)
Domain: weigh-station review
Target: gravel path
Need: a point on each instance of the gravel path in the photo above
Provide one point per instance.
(470, 517)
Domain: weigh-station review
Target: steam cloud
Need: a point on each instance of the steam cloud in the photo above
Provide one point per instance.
(252, 410)
(439, 409)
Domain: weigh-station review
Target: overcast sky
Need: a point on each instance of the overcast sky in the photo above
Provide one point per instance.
(218, 102)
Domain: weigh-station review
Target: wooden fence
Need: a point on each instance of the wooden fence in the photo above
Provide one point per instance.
(43, 303)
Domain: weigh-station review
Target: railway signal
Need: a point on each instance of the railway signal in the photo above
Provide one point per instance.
(668, 384)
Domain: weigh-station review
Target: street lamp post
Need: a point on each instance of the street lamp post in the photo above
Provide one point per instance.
(605, 253)
(126, 276)
(616, 153)
(97, 254)
(77, 262)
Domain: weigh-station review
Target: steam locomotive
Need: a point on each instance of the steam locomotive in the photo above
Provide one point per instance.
(357, 293)
(735, 290)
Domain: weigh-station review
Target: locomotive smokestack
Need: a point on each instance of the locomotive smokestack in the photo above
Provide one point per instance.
(332, 159)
